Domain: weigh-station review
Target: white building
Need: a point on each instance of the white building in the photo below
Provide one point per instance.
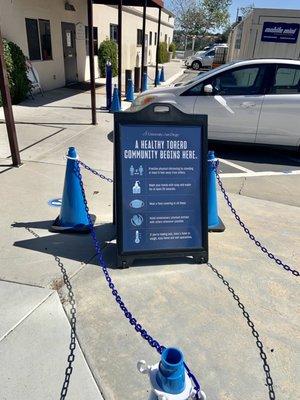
(53, 35)
(266, 33)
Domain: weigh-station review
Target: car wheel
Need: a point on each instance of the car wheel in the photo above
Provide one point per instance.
(196, 65)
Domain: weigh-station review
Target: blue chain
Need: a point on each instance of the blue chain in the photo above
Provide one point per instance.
(247, 230)
(102, 263)
(233, 210)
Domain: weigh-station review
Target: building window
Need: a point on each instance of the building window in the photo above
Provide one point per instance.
(166, 38)
(95, 39)
(114, 32)
(139, 40)
(155, 38)
(150, 38)
(39, 39)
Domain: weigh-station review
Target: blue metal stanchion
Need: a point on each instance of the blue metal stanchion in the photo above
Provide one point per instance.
(145, 82)
(157, 79)
(215, 223)
(162, 75)
(108, 74)
(129, 92)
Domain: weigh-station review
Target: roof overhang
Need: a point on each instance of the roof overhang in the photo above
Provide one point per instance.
(136, 3)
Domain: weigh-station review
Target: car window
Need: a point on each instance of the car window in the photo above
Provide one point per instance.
(210, 54)
(233, 82)
(287, 80)
(206, 74)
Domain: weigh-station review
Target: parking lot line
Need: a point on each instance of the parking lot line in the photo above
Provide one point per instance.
(236, 166)
(262, 173)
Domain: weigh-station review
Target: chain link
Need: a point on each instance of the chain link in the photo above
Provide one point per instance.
(72, 345)
(128, 315)
(247, 230)
(263, 356)
(93, 171)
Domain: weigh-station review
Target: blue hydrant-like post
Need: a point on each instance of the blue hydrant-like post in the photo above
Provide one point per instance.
(169, 378)
(108, 75)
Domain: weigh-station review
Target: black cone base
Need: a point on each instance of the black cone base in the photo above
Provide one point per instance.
(220, 227)
(57, 227)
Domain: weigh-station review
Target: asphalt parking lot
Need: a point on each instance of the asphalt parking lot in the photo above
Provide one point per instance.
(260, 161)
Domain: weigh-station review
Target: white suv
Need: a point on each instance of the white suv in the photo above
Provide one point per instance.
(253, 101)
(202, 58)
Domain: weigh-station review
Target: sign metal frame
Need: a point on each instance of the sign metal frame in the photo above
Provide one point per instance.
(165, 115)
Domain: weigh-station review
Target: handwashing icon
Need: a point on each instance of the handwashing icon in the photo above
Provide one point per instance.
(136, 188)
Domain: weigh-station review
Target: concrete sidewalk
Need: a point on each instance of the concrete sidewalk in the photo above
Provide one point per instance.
(179, 303)
(34, 341)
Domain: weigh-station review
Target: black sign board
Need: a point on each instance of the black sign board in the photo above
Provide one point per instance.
(160, 184)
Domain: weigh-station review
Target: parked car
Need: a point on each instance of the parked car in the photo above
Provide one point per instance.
(253, 101)
(200, 59)
(203, 59)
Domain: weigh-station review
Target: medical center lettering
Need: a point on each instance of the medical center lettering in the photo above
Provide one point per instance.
(160, 150)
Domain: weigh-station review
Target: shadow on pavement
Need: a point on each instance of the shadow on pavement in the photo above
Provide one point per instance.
(255, 154)
(73, 246)
(79, 247)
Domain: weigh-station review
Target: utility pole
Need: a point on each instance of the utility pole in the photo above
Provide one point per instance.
(8, 112)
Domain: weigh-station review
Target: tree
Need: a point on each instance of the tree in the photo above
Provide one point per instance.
(247, 10)
(194, 18)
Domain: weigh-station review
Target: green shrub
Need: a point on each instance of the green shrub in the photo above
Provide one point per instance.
(163, 54)
(16, 68)
(108, 51)
(172, 49)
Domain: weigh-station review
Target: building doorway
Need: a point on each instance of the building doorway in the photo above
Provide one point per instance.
(69, 50)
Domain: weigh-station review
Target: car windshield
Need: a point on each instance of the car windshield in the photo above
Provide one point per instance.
(207, 73)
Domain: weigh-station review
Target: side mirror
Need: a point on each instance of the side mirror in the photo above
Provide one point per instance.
(208, 89)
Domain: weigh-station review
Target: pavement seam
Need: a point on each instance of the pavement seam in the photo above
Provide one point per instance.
(64, 141)
(23, 283)
(26, 316)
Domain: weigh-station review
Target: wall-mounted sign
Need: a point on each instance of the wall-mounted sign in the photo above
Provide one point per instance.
(280, 32)
(161, 184)
(80, 31)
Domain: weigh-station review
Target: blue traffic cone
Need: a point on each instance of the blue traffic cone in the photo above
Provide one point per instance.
(144, 82)
(162, 75)
(115, 104)
(215, 223)
(129, 93)
(157, 82)
(73, 216)
(170, 376)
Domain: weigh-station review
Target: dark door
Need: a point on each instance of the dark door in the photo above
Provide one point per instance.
(69, 50)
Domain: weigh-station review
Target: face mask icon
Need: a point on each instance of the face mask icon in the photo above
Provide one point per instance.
(136, 203)
(136, 188)
(137, 220)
